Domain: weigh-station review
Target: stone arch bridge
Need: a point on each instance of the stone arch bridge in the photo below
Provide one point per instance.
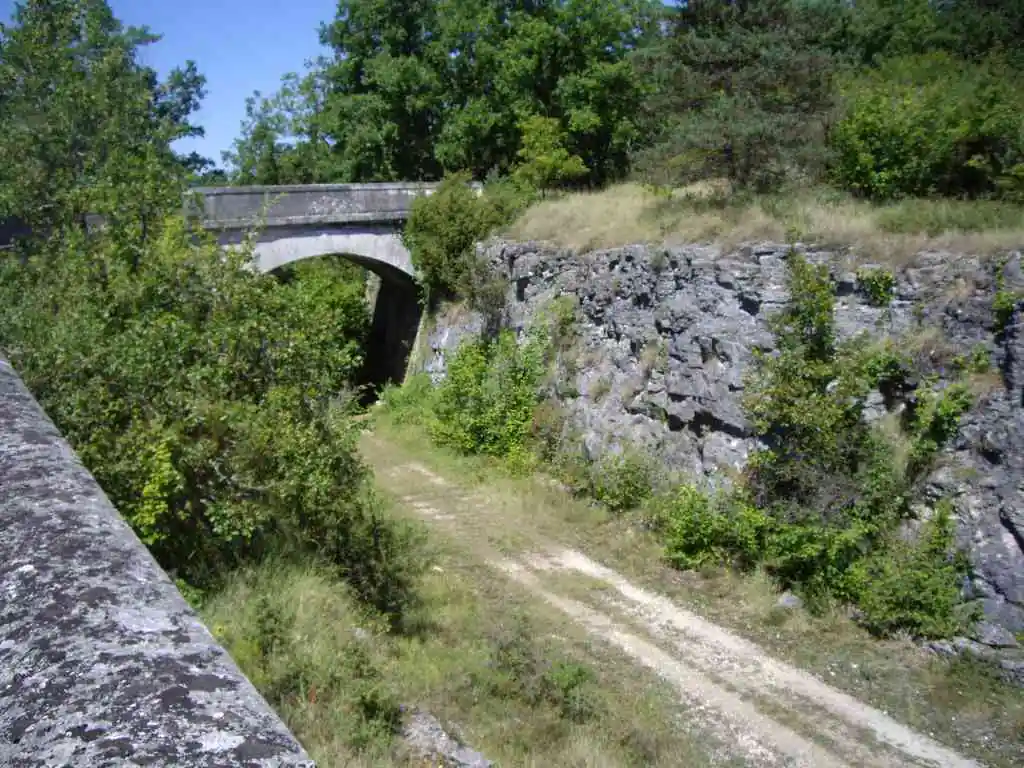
(361, 222)
(294, 222)
(290, 223)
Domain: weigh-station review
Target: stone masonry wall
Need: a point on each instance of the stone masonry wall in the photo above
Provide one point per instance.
(667, 334)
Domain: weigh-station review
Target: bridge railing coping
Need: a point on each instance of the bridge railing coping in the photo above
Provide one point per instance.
(383, 186)
(102, 661)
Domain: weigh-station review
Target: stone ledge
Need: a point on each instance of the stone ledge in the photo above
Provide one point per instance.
(102, 662)
(375, 186)
(370, 217)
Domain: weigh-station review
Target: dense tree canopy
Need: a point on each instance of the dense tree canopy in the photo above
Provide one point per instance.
(208, 401)
(417, 89)
(763, 92)
(743, 90)
(883, 98)
(84, 126)
(766, 91)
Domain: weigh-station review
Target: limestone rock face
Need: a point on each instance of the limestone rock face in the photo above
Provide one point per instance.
(666, 336)
(426, 738)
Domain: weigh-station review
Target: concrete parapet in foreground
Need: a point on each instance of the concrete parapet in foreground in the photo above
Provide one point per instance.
(102, 662)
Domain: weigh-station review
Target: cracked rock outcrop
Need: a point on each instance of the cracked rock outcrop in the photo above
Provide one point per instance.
(666, 336)
(426, 738)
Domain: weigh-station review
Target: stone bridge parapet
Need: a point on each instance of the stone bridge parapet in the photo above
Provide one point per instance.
(102, 662)
(308, 204)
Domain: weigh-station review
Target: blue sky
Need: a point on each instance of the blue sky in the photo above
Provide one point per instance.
(240, 45)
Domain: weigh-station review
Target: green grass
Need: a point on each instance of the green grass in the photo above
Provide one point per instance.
(934, 217)
(523, 691)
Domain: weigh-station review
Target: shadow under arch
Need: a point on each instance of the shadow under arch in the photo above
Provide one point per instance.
(378, 248)
(395, 320)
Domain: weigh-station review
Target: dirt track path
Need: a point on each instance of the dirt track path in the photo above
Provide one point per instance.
(754, 709)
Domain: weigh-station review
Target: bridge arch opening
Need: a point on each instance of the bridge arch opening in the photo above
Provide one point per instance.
(361, 222)
(393, 300)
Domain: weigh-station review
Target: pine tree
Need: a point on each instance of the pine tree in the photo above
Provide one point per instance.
(745, 90)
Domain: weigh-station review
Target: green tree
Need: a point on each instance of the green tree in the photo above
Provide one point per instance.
(932, 124)
(545, 160)
(280, 141)
(435, 87)
(208, 400)
(257, 155)
(383, 102)
(744, 90)
(83, 126)
(443, 231)
(970, 29)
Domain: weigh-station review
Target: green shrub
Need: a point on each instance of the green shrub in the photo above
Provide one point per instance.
(544, 161)
(935, 420)
(877, 285)
(703, 530)
(444, 228)
(914, 587)
(411, 402)
(524, 672)
(623, 481)
(486, 402)
(977, 362)
(1004, 303)
(819, 506)
(209, 402)
(547, 430)
(567, 688)
(928, 125)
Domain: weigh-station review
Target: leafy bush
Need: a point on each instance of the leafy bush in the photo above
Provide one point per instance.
(547, 430)
(1004, 303)
(411, 402)
(936, 417)
(877, 285)
(544, 160)
(700, 530)
(566, 687)
(486, 402)
(209, 402)
(444, 228)
(914, 588)
(820, 505)
(622, 481)
(931, 124)
(1004, 306)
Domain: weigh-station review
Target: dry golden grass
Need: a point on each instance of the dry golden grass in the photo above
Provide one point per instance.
(986, 383)
(703, 213)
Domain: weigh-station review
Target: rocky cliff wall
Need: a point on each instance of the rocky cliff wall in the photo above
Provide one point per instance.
(665, 336)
